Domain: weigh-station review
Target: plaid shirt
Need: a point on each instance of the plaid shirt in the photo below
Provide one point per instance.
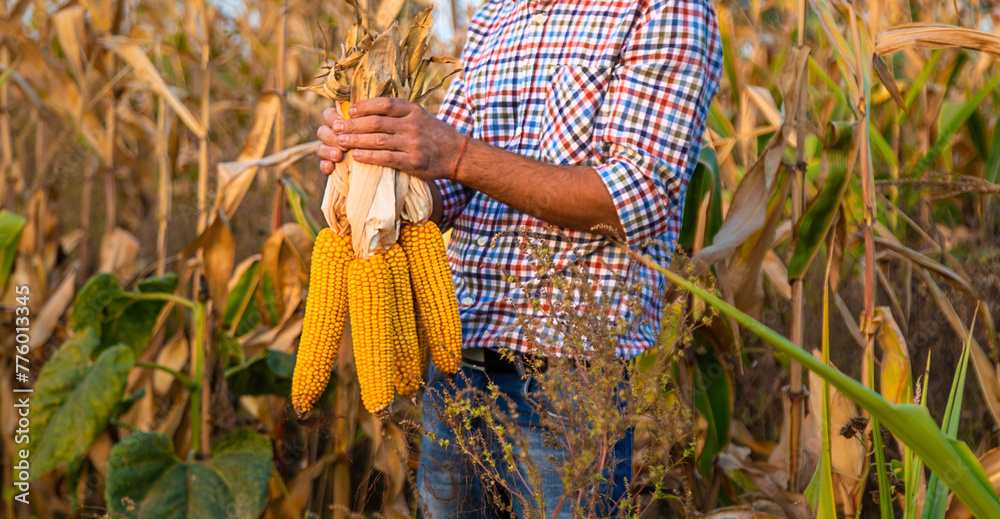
(623, 86)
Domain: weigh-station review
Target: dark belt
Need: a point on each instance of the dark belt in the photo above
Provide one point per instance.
(492, 361)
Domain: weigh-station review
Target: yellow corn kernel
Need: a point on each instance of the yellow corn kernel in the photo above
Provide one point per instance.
(434, 290)
(326, 316)
(406, 348)
(369, 289)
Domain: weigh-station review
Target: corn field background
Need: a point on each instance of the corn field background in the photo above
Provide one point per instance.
(160, 197)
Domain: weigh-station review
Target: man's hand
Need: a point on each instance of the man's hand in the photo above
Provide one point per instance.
(390, 132)
(401, 135)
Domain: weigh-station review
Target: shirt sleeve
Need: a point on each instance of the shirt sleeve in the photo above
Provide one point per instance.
(455, 110)
(654, 115)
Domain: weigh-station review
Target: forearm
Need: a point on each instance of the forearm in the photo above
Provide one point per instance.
(568, 196)
(437, 203)
(401, 135)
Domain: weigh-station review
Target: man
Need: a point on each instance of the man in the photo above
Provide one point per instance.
(574, 119)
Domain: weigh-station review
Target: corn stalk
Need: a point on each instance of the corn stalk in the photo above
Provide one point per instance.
(277, 202)
(796, 391)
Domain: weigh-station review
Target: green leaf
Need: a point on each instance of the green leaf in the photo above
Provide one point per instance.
(936, 501)
(930, 66)
(297, 201)
(230, 350)
(816, 221)
(5, 76)
(96, 294)
(704, 180)
(143, 470)
(977, 133)
(885, 495)
(969, 460)
(134, 465)
(165, 284)
(188, 491)
(240, 295)
(244, 459)
(822, 483)
(992, 165)
(269, 373)
(951, 123)
(133, 322)
(134, 326)
(74, 399)
(713, 399)
(270, 298)
(11, 225)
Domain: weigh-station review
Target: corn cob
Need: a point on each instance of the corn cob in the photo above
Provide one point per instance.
(406, 349)
(326, 316)
(437, 307)
(369, 293)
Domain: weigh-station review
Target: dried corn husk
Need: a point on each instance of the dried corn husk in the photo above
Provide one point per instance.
(365, 200)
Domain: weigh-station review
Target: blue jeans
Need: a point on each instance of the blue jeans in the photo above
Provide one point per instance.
(447, 481)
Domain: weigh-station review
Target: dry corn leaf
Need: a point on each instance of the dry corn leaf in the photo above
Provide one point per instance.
(279, 502)
(809, 450)
(776, 272)
(300, 488)
(218, 254)
(147, 74)
(285, 257)
(69, 241)
(770, 480)
(99, 451)
(101, 12)
(745, 264)
(119, 249)
(235, 181)
(935, 36)
(415, 43)
(281, 160)
(175, 416)
(887, 79)
(739, 433)
(896, 378)
(287, 336)
(174, 355)
(45, 320)
(196, 21)
(764, 101)
(387, 12)
(53, 87)
(848, 456)
(72, 33)
(748, 211)
(390, 459)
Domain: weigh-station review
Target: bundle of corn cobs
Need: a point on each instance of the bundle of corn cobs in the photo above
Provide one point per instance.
(380, 258)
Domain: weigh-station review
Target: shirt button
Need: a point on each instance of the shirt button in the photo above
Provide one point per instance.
(467, 301)
(482, 241)
(539, 18)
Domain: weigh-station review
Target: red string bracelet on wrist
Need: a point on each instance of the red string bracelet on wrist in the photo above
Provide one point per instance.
(460, 155)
